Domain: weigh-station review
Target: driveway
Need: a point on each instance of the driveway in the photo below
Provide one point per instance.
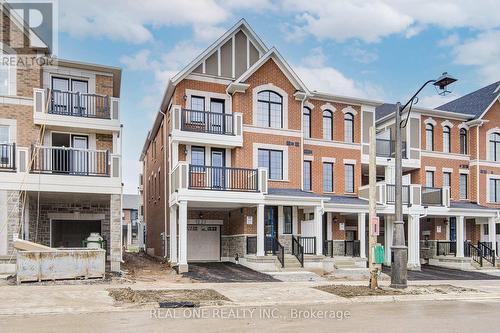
(225, 272)
(441, 273)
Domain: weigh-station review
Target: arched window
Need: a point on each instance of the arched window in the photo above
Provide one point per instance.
(495, 146)
(429, 137)
(349, 127)
(446, 139)
(269, 109)
(306, 122)
(327, 125)
(463, 141)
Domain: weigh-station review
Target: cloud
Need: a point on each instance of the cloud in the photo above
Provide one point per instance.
(451, 40)
(435, 100)
(372, 20)
(360, 55)
(483, 53)
(131, 171)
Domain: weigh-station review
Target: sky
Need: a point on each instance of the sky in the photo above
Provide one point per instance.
(378, 49)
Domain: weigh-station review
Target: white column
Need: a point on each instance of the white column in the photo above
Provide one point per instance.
(492, 234)
(129, 234)
(388, 233)
(281, 219)
(173, 234)
(182, 264)
(362, 234)
(295, 219)
(260, 230)
(414, 242)
(460, 236)
(329, 226)
(318, 224)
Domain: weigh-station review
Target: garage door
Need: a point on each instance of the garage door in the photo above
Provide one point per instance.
(203, 243)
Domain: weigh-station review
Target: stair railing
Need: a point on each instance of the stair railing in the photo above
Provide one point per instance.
(487, 252)
(279, 251)
(298, 250)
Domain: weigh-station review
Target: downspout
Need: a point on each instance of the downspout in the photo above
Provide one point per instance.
(166, 176)
(302, 141)
(477, 163)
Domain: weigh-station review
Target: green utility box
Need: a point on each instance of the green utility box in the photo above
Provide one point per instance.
(378, 254)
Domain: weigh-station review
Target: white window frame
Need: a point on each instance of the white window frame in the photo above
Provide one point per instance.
(257, 146)
(276, 89)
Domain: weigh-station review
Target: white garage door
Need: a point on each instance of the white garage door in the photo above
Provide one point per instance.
(203, 243)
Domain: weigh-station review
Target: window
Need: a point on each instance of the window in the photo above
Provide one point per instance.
(349, 178)
(306, 122)
(429, 137)
(287, 220)
(327, 125)
(197, 107)
(446, 139)
(349, 127)
(494, 190)
(197, 156)
(463, 186)
(272, 160)
(429, 178)
(307, 175)
(269, 109)
(327, 177)
(463, 141)
(495, 146)
(4, 134)
(447, 179)
(5, 72)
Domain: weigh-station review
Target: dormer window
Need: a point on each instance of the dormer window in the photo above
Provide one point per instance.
(269, 109)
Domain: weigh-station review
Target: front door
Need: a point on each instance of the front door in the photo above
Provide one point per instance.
(270, 227)
(61, 154)
(453, 228)
(80, 97)
(217, 121)
(218, 171)
(80, 158)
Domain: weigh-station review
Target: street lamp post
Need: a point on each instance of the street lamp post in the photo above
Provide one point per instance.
(399, 270)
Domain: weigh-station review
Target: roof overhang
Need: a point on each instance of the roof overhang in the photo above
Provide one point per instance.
(344, 99)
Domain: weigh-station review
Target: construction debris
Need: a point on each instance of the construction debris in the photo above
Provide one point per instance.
(24, 245)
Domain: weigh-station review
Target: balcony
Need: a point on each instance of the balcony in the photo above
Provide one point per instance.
(7, 156)
(387, 148)
(432, 196)
(391, 194)
(77, 110)
(199, 182)
(205, 127)
(70, 161)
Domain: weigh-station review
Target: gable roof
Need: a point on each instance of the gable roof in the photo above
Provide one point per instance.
(282, 64)
(475, 103)
(241, 24)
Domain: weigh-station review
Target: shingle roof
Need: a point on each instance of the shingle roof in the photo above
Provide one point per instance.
(347, 200)
(292, 193)
(474, 103)
(466, 205)
(130, 201)
(383, 110)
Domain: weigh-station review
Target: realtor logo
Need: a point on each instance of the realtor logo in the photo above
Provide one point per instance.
(31, 25)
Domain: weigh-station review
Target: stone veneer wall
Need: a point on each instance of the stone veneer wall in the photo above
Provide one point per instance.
(10, 215)
(115, 230)
(232, 245)
(286, 241)
(428, 249)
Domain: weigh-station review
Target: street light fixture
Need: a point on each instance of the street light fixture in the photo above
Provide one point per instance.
(399, 272)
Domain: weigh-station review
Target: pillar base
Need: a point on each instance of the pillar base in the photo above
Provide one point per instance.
(115, 266)
(181, 268)
(414, 267)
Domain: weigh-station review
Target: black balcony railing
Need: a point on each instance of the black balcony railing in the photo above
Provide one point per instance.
(69, 103)
(207, 122)
(391, 194)
(70, 161)
(387, 148)
(352, 248)
(308, 244)
(223, 178)
(432, 196)
(446, 248)
(7, 156)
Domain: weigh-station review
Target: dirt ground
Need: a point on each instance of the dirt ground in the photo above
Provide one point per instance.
(197, 296)
(356, 291)
(144, 268)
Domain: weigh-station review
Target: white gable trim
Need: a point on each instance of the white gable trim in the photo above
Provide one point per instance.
(261, 47)
(491, 104)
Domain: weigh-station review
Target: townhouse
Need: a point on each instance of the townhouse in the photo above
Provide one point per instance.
(60, 149)
(244, 163)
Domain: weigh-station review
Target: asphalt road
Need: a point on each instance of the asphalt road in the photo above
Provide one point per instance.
(440, 273)
(456, 316)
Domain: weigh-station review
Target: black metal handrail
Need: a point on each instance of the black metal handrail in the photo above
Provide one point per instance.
(69, 103)
(223, 178)
(473, 252)
(432, 196)
(298, 250)
(387, 148)
(487, 252)
(309, 244)
(352, 248)
(8, 156)
(328, 248)
(207, 122)
(70, 161)
(445, 248)
(279, 252)
(251, 245)
(391, 194)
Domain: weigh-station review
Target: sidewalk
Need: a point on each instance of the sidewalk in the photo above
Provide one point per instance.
(36, 299)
